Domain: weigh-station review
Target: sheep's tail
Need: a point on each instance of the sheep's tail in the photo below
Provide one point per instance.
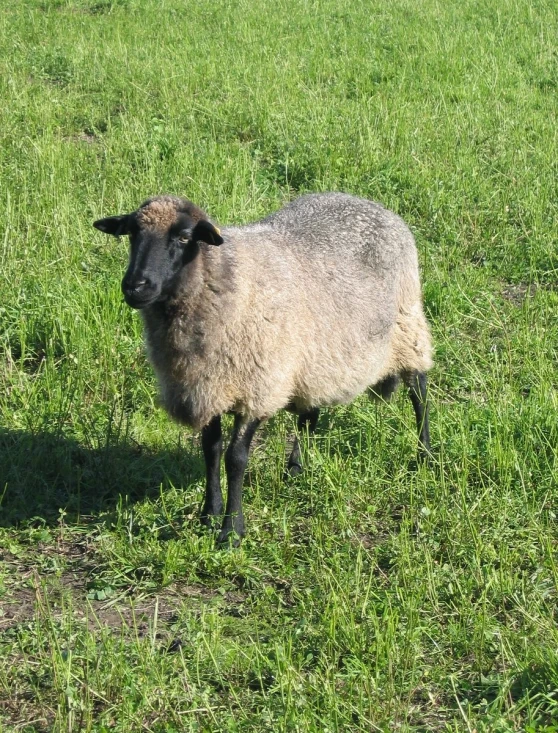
(384, 389)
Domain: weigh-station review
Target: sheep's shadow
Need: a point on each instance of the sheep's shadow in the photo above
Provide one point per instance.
(43, 473)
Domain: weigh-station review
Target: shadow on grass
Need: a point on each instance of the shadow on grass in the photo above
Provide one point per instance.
(43, 473)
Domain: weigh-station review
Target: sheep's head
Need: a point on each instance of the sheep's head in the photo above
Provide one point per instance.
(164, 235)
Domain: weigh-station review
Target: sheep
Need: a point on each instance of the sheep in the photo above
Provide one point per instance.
(306, 308)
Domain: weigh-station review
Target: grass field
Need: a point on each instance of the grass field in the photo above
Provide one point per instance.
(367, 596)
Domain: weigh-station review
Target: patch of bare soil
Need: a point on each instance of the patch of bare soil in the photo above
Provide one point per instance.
(54, 578)
(53, 596)
(22, 712)
(518, 292)
(17, 608)
(161, 609)
(369, 541)
(33, 593)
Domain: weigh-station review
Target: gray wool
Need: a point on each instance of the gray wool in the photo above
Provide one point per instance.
(308, 307)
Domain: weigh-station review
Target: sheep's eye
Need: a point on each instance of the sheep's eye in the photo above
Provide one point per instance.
(184, 237)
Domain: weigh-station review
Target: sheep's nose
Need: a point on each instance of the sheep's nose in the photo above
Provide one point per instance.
(135, 286)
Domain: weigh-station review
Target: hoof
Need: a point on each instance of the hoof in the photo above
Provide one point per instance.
(424, 458)
(293, 469)
(228, 538)
(232, 531)
(210, 521)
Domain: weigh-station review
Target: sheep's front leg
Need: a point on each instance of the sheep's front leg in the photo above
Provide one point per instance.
(418, 393)
(305, 420)
(236, 460)
(212, 446)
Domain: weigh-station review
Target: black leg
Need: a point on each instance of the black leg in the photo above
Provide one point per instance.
(236, 460)
(306, 420)
(385, 389)
(419, 397)
(212, 446)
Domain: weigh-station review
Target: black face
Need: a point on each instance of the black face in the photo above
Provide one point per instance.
(156, 255)
(156, 258)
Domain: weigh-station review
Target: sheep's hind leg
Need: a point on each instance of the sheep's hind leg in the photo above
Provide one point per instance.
(306, 420)
(384, 390)
(212, 446)
(418, 392)
(236, 460)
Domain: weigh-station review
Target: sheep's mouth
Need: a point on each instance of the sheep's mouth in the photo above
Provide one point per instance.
(134, 300)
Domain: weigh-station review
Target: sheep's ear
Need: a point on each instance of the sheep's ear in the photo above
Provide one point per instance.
(115, 225)
(205, 231)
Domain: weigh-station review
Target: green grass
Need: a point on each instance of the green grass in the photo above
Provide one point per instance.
(367, 596)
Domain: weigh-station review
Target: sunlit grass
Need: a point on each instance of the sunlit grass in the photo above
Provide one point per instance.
(367, 595)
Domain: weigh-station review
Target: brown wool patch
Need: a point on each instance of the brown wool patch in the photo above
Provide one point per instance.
(159, 213)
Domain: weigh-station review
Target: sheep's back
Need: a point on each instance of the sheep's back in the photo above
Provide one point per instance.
(337, 225)
(329, 270)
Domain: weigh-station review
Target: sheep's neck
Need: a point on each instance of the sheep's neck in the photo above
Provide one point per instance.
(201, 289)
